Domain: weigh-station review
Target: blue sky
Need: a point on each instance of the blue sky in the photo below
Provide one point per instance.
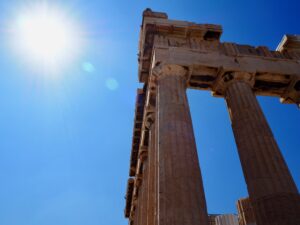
(65, 143)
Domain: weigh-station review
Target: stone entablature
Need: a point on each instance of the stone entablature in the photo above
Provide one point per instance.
(166, 41)
(290, 44)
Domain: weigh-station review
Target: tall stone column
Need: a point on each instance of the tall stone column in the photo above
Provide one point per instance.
(273, 193)
(152, 178)
(143, 191)
(181, 199)
(245, 212)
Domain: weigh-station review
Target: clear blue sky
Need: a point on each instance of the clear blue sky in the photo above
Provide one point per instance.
(65, 144)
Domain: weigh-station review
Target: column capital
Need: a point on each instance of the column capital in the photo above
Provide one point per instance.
(225, 79)
(163, 70)
(150, 119)
(143, 153)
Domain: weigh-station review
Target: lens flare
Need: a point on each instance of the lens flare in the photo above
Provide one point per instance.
(88, 67)
(112, 84)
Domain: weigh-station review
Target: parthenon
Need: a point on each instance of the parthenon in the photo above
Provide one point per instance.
(165, 185)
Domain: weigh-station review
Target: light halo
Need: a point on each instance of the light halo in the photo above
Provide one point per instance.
(46, 37)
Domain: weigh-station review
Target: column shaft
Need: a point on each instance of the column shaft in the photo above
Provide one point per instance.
(151, 208)
(144, 194)
(181, 199)
(137, 212)
(271, 188)
(156, 194)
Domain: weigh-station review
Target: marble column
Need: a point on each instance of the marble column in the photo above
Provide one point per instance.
(152, 182)
(137, 212)
(144, 195)
(245, 212)
(273, 193)
(181, 199)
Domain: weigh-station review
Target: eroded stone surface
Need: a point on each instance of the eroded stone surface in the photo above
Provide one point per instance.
(181, 197)
(272, 190)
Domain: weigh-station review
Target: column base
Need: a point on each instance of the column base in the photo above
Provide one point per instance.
(277, 209)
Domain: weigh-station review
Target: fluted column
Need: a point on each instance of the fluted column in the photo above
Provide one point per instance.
(152, 178)
(245, 212)
(273, 193)
(181, 199)
(144, 195)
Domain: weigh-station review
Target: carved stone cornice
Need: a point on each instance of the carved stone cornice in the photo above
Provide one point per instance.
(129, 192)
(289, 43)
(178, 33)
(149, 120)
(225, 79)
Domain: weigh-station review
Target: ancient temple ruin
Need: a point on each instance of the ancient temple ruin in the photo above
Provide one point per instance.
(165, 185)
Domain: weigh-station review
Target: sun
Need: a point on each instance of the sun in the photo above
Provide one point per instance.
(46, 36)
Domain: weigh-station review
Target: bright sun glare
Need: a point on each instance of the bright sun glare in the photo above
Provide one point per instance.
(45, 36)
